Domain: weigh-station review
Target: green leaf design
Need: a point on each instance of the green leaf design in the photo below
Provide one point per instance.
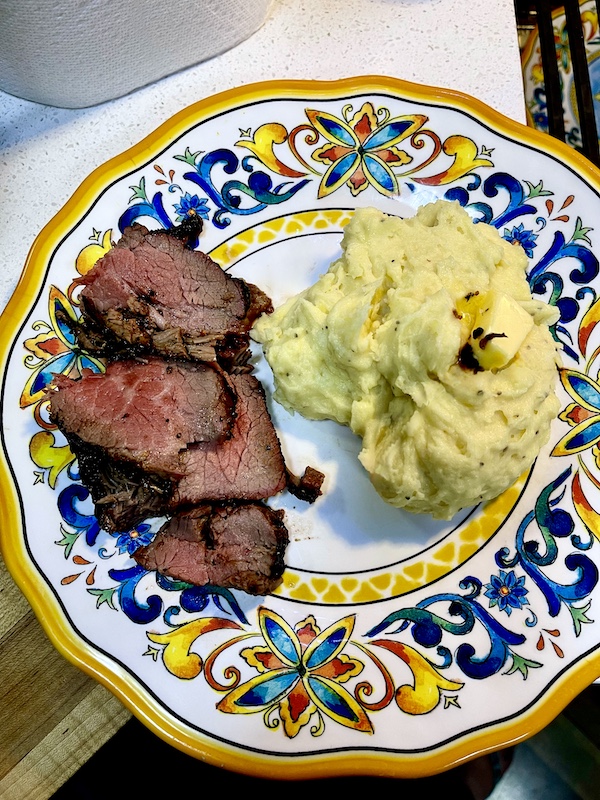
(104, 596)
(537, 191)
(189, 157)
(68, 540)
(139, 192)
(580, 232)
(580, 616)
(522, 665)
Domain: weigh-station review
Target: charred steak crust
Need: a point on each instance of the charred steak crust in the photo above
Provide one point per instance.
(238, 546)
(230, 351)
(308, 486)
(123, 495)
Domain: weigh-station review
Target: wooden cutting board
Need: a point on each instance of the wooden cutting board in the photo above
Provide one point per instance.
(53, 717)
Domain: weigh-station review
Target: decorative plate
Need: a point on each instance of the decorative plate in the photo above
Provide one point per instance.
(396, 644)
(533, 74)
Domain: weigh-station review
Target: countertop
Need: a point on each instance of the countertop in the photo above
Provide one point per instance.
(52, 716)
(466, 45)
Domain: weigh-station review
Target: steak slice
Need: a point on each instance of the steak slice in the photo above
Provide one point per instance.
(152, 294)
(152, 438)
(237, 546)
(247, 466)
(146, 413)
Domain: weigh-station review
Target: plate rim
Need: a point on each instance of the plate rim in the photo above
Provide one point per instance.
(47, 607)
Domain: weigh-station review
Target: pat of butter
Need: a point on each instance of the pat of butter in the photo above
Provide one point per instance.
(499, 330)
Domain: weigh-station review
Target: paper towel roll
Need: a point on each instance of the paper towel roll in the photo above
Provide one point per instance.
(76, 53)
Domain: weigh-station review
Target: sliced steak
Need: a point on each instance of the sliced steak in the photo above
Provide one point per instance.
(152, 438)
(152, 293)
(239, 546)
(247, 466)
(146, 413)
(177, 426)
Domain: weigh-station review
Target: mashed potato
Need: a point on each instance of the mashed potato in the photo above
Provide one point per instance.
(423, 338)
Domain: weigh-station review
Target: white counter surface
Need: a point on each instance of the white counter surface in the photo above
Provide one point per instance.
(465, 45)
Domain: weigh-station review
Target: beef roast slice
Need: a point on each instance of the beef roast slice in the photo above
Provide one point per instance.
(154, 294)
(247, 466)
(146, 413)
(115, 427)
(238, 546)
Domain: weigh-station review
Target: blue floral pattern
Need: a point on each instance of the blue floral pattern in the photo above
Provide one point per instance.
(189, 205)
(523, 236)
(130, 541)
(507, 591)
